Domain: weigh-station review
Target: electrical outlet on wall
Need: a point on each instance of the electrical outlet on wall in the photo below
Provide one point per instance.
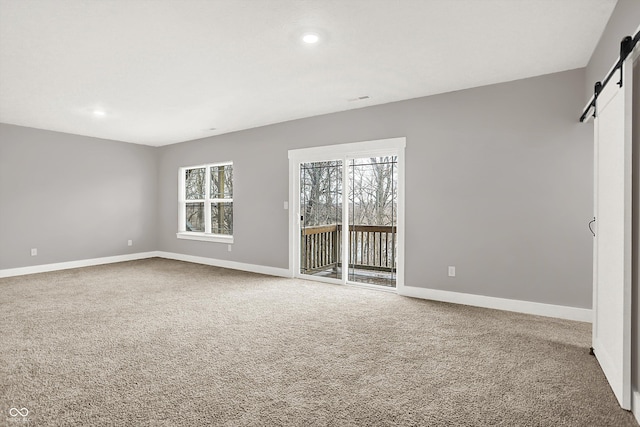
(129, 242)
(34, 251)
(452, 271)
(229, 248)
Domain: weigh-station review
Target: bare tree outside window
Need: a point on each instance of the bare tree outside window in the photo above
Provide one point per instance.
(372, 198)
(222, 188)
(208, 199)
(194, 191)
(321, 191)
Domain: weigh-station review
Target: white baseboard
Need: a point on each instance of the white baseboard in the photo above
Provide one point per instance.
(549, 310)
(43, 268)
(272, 271)
(234, 265)
(635, 404)
(528, 307)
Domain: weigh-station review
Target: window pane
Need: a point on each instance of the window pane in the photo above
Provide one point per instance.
(222, 182)
(194, 184)
(321, 193)
(195, 217)
(222, 218)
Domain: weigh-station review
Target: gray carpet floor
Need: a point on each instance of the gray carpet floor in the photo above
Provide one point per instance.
(160, 342)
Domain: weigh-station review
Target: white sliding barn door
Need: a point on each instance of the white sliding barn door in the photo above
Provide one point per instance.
(612, 246)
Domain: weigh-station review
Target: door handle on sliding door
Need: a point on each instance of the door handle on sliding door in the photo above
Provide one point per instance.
(591, 229)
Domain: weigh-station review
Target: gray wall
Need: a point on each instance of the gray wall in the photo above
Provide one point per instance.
(624, 21)
(498, 183)
(73, 197)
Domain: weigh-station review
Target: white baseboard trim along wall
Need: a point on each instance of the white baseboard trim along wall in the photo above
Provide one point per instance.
(253, 268)
(528, 307)
(549, 310)
(635, 404)
(43, 268)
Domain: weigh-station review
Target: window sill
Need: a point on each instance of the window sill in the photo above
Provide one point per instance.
(203, 237)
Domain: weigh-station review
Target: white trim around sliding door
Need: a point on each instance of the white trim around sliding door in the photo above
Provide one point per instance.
(381, 147)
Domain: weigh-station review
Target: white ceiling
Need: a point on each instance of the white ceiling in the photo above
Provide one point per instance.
(166, 71)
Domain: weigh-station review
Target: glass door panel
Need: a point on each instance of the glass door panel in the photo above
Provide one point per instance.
(321, 218)
(373, 207)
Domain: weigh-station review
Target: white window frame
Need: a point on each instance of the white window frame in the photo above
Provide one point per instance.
(205, 236)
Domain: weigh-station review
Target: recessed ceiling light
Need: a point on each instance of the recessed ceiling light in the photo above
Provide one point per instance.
(311, 38)
(99, 113)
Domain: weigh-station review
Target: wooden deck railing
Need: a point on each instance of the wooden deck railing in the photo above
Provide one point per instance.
(371, 247)
(319, 247)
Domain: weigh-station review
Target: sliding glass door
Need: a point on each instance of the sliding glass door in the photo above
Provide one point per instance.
(346, 217)
(321, 218)
(373, 207)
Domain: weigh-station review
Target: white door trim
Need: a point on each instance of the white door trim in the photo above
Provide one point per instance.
(375, 148)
